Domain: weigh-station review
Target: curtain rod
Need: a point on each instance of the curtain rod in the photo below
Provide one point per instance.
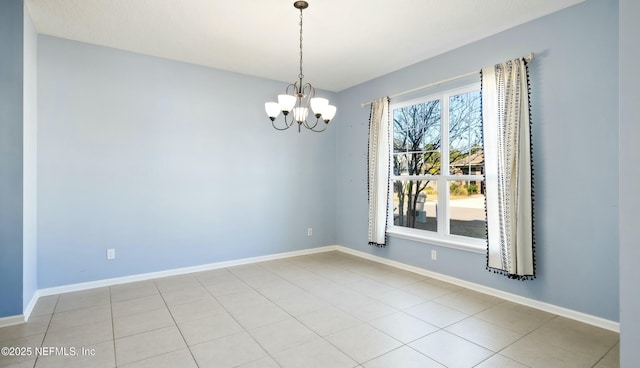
(527, 58)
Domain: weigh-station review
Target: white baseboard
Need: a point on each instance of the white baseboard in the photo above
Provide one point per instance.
(546, 307)
(32, 303)
(12, 320)
(561, 311)
(176, 271)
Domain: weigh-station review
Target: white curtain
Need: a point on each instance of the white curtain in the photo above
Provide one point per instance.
(507, 149)
(378, 161)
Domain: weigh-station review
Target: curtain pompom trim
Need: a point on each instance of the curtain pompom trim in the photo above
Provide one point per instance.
(511, 275)
(533, 192)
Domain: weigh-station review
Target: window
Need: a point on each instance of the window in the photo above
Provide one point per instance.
(437, 169)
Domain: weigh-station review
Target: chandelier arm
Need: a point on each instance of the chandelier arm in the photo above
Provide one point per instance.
(306, 125)
(293, 85)
(290, 123)
(324, 127)
(308, 89)
(287, 124)
(277, 128)
(309, 126)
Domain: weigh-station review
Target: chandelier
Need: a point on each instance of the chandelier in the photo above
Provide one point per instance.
(298, 98)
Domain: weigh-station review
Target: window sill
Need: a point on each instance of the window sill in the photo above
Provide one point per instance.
(455, 242)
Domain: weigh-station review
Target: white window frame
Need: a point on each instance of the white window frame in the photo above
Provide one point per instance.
(442, 236)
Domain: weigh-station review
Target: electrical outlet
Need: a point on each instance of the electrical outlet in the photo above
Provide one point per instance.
(434, 255)
(111, 253)
(309, 231)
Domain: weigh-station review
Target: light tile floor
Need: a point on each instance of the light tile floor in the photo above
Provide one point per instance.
(325, 310)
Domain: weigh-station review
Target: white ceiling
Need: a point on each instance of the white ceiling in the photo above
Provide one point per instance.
(346, 42)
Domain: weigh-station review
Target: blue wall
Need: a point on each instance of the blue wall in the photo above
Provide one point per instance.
(629, 197)
(11, 94)
(574, 111)
(171, 164)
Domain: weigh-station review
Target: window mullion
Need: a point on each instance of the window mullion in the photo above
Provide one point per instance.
(415, 177)
(444, 126)
(443, 190)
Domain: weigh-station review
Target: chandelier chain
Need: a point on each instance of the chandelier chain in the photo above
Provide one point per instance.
(301, 76)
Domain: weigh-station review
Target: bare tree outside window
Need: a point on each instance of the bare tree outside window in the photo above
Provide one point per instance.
(416, 151)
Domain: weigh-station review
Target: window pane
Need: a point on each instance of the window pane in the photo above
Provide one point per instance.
(465, 134)
(470, 162)
(431, 163)
(417, 133)
(400, 164)
(399, 139)
(467, 215)
(415, 204)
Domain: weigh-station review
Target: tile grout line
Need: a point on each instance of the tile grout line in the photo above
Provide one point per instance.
(155, 284)
(491, 323)
(257, 291)
(605, 354)
(244, 329)
(494, 353)
(323, 338)
(361, 321)
(46, 332)
(440, 329)
(113, 329)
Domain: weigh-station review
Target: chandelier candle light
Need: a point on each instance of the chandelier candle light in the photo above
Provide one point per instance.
(299, 97)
